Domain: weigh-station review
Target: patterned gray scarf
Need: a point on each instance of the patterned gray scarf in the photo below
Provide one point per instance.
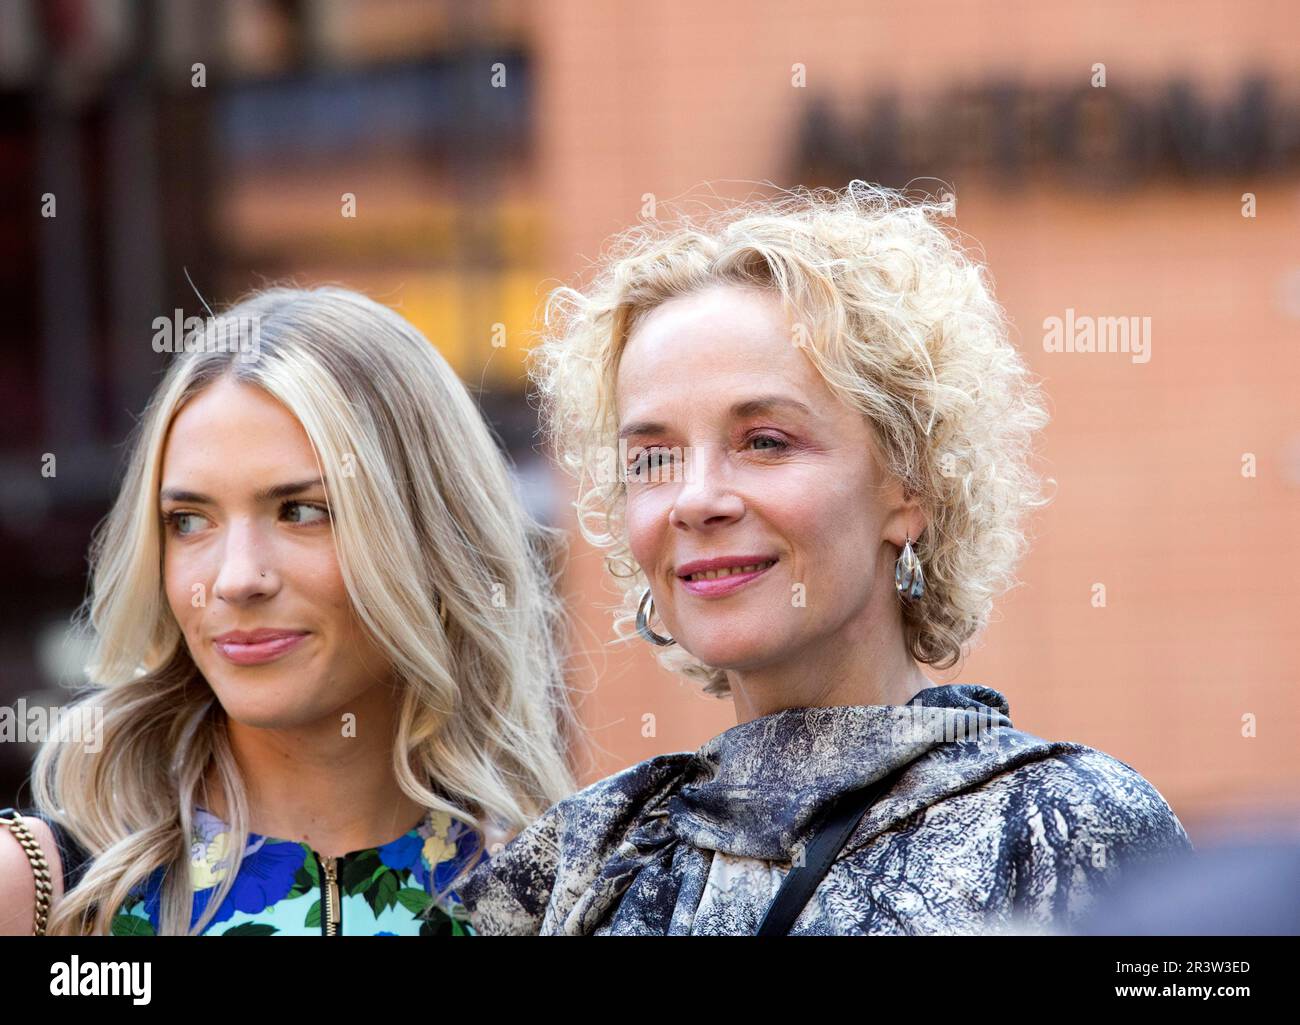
(984, 828)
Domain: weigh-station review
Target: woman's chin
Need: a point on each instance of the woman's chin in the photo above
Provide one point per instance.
(730, 650)
(260, 716)
(265, 707)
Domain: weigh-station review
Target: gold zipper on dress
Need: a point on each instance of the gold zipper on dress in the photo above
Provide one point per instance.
(329, 894)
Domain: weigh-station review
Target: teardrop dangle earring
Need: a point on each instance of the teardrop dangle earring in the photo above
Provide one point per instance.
(909, 580)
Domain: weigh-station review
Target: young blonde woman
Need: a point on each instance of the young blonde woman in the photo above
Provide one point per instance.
(324, 649)
(827, 440)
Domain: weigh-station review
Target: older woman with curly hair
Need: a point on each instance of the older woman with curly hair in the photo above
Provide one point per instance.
(823, 440)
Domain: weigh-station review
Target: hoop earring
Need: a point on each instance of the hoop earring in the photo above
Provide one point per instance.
(644, 610)
(909, 580)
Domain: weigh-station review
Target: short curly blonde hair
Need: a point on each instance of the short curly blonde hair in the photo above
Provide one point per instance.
(902, 325)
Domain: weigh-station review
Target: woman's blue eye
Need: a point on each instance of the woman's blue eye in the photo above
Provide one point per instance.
(776, 442)
(177, 520)
(322, 514)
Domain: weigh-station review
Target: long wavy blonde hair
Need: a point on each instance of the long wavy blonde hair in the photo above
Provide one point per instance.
(902, 324)
(425, 518)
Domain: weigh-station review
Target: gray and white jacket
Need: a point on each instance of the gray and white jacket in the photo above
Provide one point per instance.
(985, 829)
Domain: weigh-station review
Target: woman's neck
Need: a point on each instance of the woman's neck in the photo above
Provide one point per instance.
(333, 791)
(867, 665)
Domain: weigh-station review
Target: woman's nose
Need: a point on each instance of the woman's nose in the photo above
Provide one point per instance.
(707, 496)
(246, 572)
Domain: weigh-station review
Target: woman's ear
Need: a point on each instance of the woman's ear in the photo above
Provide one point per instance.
(907, 517)
(918, 518)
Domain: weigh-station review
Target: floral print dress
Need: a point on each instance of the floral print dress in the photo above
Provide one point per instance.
(284, 888)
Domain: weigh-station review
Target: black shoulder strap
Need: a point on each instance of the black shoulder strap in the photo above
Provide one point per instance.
(73, 857)
(829, 839)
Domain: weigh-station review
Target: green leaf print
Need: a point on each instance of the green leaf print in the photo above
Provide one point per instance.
(309, 865)
(438, 923)
(413, 899)
(131, 925)
(377, 873)
(251, 929)
(303, 881)
(313, 915)
(383, 895)
(357, 873)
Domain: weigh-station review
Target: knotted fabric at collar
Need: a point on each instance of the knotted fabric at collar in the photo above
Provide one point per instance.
(758, 787)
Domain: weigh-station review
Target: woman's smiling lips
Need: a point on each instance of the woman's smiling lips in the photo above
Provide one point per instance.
(253, 647)
(714, 578)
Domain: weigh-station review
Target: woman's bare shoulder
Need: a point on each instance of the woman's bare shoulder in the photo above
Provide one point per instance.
(17, 884)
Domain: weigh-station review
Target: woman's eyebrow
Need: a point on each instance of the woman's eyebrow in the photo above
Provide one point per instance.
(744, 408)
(267, 495)
(766, 403)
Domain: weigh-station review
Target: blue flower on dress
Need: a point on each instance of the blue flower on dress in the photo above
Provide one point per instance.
(403, 854)
(266, 876)
(432, 852)
(462, 841)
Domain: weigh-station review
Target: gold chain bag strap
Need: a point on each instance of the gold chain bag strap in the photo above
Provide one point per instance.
(40, 867)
